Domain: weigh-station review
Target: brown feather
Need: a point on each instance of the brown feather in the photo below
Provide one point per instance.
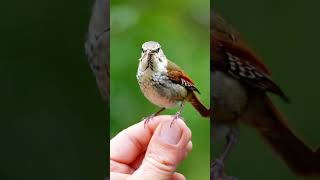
(299, 157)
(176, 75)
(224, 41)
(198, 105)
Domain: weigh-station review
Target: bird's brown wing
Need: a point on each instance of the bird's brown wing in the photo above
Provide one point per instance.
(231, 55)
(178, 76)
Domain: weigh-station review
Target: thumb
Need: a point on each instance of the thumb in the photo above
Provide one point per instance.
(167, 148)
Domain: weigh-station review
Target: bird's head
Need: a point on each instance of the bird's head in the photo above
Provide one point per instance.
(153, 57)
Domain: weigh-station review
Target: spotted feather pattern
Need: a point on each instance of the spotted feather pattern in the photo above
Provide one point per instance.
(189, 85)
(243, 69)
(246, 72)
(176, 75)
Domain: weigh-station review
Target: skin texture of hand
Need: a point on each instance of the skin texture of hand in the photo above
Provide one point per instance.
(150, 152)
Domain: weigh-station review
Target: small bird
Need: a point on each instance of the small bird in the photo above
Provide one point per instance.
(240, 83)
(164, 83)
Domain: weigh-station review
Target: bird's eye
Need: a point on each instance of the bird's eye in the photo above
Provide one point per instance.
(142, 50)
(157, 50)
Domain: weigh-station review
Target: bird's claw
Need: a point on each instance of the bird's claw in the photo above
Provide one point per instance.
(217, 171)
(147, 119)
(175, 117)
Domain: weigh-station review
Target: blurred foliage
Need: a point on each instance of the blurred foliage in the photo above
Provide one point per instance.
(286, 35)
(53, 121)
(182, 29)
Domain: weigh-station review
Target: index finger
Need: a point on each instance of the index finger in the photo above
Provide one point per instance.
(126, 146)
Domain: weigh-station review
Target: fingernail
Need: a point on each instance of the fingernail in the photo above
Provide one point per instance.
(170, 135)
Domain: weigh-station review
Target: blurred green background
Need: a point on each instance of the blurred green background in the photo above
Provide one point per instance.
(53, 121)
(286, 35)
(182, 29)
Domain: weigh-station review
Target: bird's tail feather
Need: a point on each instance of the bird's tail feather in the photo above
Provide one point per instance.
(300, 158)
(198, 105)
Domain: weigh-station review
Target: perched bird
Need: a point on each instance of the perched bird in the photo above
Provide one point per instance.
(164, 83)
(240, 82)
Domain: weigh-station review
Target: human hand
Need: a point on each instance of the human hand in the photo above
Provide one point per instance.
(153, 152)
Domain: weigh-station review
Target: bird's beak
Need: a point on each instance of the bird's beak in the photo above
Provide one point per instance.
(149, 55)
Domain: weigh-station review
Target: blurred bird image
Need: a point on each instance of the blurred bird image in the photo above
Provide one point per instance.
(240, 83)
(97, 46)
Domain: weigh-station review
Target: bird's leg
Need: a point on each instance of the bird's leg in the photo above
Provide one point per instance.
(232, 139)
(177, 115)
(146, 120)
(218, 164)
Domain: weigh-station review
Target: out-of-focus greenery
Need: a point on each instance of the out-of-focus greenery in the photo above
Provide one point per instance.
(182, 29)
(286, 35)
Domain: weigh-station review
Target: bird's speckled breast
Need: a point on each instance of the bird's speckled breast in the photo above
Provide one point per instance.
(159, 89)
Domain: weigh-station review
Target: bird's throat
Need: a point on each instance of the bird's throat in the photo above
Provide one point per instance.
(149, 63)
